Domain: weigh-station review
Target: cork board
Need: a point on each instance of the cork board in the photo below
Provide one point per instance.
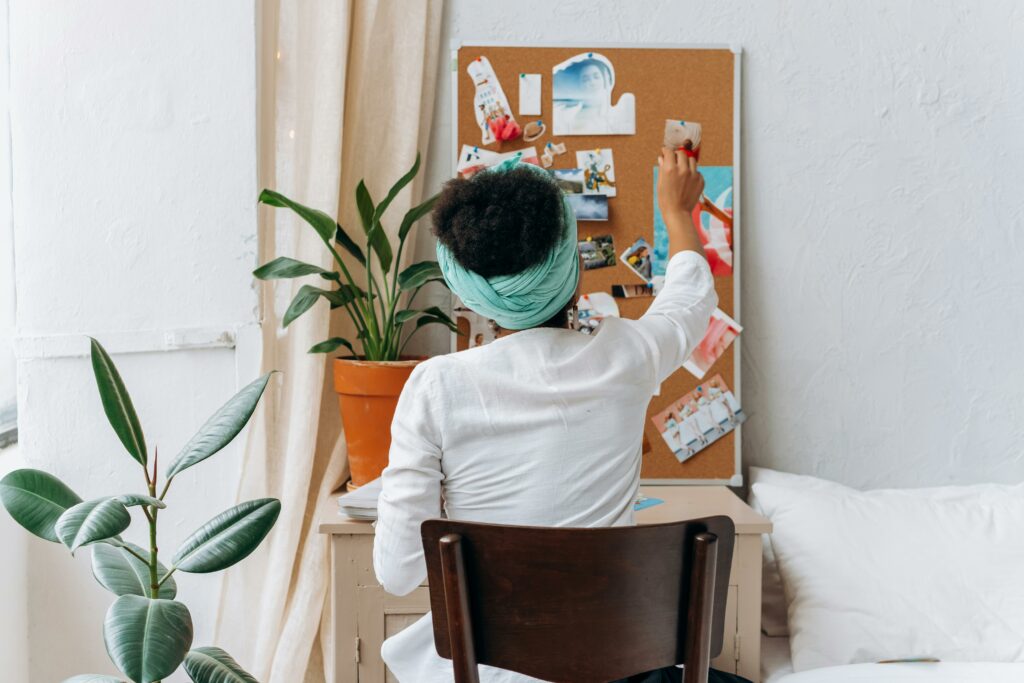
(693, 83)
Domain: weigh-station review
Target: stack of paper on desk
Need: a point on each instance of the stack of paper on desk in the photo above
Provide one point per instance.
(361, 503)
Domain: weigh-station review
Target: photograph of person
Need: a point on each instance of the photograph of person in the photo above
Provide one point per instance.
(598, 167)
(712, 217)
(721, 332)
(582, 90)
(638, 259)
(697, 419)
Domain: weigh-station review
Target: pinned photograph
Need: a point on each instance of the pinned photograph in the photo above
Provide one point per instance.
(589, 207)
(592, 309)
(582, 90)
(712, 217)
(493, 113)
(598, 171)
(679, 133)
(597, 252)
(569, 179)
(631, 291)
(637, 258)
(722, 331)
(699, 418)
(474, 329)
(474, 159)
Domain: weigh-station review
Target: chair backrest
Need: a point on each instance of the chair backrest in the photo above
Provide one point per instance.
(570, 604)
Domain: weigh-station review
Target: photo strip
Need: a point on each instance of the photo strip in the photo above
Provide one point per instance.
(699, 418)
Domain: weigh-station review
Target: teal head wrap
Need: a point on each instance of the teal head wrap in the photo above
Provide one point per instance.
(527, 298)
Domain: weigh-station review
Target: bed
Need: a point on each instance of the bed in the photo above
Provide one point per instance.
(852, 578)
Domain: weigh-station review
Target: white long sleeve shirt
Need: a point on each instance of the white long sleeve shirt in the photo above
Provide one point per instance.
(543, 427)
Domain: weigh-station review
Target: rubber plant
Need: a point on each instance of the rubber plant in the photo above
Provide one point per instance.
(147, 631)
(371, 298)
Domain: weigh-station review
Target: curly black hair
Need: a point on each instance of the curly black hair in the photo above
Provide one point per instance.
(499, 223)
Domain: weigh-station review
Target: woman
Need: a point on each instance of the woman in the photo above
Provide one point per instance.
(544, 425)
(583, 99)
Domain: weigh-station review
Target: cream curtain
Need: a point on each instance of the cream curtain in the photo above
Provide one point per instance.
(347, 92)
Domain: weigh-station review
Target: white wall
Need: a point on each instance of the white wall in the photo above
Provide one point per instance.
(134, 159)
(882, 225)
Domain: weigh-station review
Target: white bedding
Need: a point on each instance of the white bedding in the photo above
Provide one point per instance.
(776, 667)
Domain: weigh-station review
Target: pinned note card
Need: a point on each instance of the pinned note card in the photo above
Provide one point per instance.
(529, 94)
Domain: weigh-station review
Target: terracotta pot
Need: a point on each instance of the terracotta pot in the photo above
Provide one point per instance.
(367, 395)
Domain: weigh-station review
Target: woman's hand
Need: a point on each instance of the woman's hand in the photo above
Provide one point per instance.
(679, 188)
(679, 183)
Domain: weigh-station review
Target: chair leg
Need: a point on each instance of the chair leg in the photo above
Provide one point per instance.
(456, 602)
(697, 649)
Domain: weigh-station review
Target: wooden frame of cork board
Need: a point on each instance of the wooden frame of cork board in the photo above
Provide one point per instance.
(696, 82)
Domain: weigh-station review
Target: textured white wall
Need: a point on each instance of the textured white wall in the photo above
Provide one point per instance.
(134, 158)
(882, 226)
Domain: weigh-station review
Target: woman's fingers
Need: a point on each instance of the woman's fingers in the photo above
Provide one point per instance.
(693, 164)
(668, 157)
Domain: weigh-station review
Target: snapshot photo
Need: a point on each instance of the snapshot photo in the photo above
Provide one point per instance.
(679, 133)
(598, 171)
(697, 419)
(569, 179)
(597, 252)
(722, 331)
(637, 258)
(589, 207)
(582, 93)
(631, 291)
(592, 309)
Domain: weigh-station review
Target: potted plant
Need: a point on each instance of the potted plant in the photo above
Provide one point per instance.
(369, 382)
(148, 633)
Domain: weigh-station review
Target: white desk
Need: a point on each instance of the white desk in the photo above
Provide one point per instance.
(362, 615)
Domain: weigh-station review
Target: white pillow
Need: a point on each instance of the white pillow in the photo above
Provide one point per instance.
(895, 574)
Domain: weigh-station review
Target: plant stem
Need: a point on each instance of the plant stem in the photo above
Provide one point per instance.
(167, 576)
(154, 585)
(144, 560)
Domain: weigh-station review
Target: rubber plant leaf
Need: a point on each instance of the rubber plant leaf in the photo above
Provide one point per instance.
(122, 573)
(283, 268)
(94, 520)
(147, 639)
(419, 274)
(93, 678)
(223, 426)
(131, 499)
(117, 404)
(320, 221)
(228, 538)
(214, 665)
(36, 500)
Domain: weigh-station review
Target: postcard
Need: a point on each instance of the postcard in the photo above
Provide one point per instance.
(592, 309)
(529, 94)
(598, 171)
(697, 419)
(597, 252)
(631, 291)
(679, 133)
(722, 331)
(712, 218)
(569, 179)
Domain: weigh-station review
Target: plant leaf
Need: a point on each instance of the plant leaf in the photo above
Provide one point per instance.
(147, 639)
(342, 238)
(214, 665)
(130, 499)
(93, 678)
(395, 189)
(223, 426)
(331, 345)
(381, 244)
(94, 520)
(342, 296)
(321, 222)
(36, 500)
(117, 404)
(406, 314)
(228, 538)
(414, 214)
(303, 301)
(419, 274)
(284, 268)
(364, 202)
(122, 573)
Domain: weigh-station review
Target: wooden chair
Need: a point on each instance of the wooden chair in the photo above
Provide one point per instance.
(585, 605)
